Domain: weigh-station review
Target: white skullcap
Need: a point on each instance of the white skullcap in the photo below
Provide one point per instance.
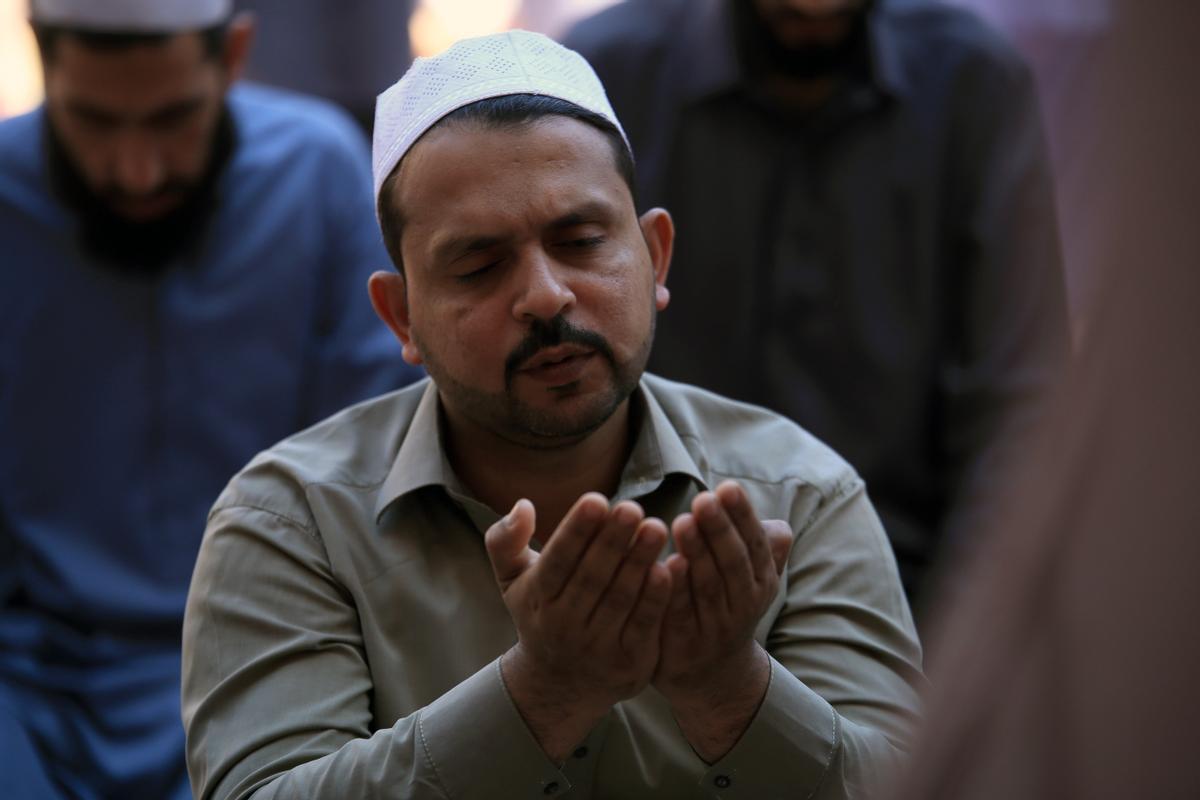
(134, 16)
(515, 62)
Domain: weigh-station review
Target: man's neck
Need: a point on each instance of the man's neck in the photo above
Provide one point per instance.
(500, 472)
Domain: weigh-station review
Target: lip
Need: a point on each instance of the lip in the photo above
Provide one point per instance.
(558, 366)
(553, 356)
(146, 209)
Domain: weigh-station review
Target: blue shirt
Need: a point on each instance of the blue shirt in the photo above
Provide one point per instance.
(126, 403)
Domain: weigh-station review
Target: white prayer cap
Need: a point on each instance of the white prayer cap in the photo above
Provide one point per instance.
(515, 62)
(133, 16)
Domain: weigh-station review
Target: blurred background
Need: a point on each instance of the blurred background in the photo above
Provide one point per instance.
(1058, 37)
(432, 26)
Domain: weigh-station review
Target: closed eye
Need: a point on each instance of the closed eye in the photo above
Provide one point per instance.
(590, 241)
(477, 273)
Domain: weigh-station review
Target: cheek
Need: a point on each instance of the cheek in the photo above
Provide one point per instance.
(622, 303)
(88, 150)
(188, 149)
(464, 336)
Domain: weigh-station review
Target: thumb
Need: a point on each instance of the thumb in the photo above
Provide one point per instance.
(779, 540)
(507, 543)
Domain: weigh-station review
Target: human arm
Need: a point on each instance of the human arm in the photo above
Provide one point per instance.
(588, 610)
(842, 693)
(279, 697)
(724, 576)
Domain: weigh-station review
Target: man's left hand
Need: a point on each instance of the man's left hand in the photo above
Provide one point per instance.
(725, 574)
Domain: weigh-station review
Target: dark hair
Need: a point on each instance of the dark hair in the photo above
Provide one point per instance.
(510, 110)
(213, 38)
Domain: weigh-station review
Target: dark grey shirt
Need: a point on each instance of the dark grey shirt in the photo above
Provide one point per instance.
(884, 270)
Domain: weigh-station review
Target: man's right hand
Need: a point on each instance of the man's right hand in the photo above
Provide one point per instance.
(588, 611)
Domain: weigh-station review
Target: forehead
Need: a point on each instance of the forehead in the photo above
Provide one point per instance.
(472, 173)
(133, 77)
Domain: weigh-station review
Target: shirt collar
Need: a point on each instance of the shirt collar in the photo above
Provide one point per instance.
(421, 461)
(710, 31)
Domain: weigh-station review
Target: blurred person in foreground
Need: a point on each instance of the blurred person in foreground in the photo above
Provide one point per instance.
(1067, 667)
(867, 240)
(181, 287)
(543, 571)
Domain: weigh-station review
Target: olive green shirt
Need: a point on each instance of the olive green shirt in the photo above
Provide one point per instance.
(343, 629)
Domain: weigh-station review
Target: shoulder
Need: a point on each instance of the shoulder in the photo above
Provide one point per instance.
(276, 124)
(31, 216)
(20, 135)
(731, 439)
(353, 449)
(633, 29)
(21, 153)
(933, 37)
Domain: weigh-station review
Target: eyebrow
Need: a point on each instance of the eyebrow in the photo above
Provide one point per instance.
(456, 247)
(176, 109)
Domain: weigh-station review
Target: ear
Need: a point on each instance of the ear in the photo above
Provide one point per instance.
(659, 232)
(389, 297)
(237, 45)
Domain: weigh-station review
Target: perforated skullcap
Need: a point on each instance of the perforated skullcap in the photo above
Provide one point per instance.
(514, 62)
(134, 16)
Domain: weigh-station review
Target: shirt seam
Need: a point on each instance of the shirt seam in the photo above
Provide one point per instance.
(428, 755)
(843, 486)
(833, 746)
(841, 489)
(373, 484)
(311, 530)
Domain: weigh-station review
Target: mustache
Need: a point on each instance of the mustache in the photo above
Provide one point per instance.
(171, 188)
(556, 331)
(788, 14)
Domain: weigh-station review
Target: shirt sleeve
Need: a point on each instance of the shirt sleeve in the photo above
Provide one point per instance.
(277, 688)
(353, 355)
(845, 678)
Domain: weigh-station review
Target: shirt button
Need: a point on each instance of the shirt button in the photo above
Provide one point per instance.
(551, 788)
(581, 752)
(722, 781)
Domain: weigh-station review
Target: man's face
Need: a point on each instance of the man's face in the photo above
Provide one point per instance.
(532, 286)
(138, 122)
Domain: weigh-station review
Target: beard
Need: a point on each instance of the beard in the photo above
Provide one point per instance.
(763, 53)
(139, 248)
(506, 415)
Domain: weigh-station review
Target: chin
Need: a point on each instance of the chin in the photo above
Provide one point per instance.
(565, 420)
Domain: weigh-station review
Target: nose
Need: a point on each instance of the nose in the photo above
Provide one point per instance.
(138, 166)
(544, 293)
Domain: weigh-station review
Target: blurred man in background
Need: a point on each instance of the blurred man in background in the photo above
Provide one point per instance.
(867, 237)
(182, 285)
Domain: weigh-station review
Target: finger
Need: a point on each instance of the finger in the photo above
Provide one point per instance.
(680, 611)
(600, 562)
(737, 505)
(507, 543)
(779, 542)
(644, 623)
(707, 587)
(560, 557)
(725, 543)
(622, 593)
